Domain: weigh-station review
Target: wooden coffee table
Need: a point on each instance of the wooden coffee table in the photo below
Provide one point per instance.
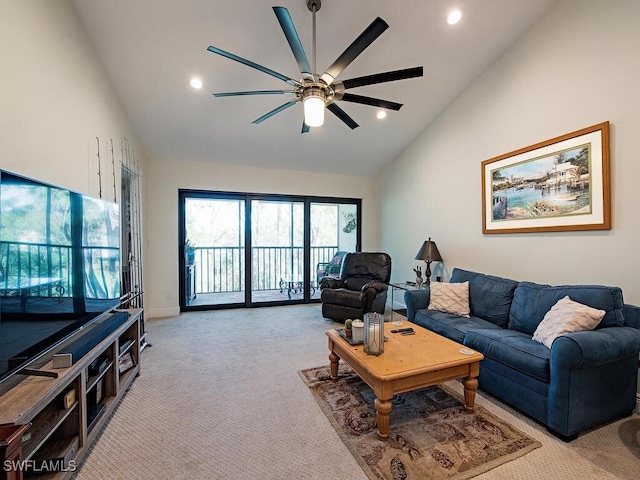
(408, 363)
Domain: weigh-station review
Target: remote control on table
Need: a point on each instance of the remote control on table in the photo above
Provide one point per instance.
(401, 330)
(408, 333)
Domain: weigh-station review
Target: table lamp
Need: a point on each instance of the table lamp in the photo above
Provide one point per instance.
(429, 253)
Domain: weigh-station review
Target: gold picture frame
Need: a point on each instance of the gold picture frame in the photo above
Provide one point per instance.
(561, 184)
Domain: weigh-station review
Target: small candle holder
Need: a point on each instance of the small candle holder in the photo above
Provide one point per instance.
(358, 331)
(373, 333)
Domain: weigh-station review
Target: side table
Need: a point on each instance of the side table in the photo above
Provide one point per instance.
(401, 286)
(296, 286)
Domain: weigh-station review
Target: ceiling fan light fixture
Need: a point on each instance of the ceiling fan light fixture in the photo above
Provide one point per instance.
(313, 102)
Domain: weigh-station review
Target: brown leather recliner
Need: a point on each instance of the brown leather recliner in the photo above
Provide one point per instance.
(361, 288)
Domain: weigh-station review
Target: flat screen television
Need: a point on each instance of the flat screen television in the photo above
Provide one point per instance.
(59, 270)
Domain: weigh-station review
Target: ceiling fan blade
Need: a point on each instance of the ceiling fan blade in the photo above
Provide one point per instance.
(305, 127)
(254, 92)
(275, 110)
(290, 32)
(365, 39)
(379, 78)
(374, 102)
(342, 115)
(251, 64)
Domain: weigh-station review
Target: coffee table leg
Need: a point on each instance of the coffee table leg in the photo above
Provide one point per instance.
(383, 409)
(470, 387)
(334, 359)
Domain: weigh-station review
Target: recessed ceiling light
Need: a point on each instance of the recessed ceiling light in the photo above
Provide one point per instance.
(454, 17)
(196, 83)
(381, 114)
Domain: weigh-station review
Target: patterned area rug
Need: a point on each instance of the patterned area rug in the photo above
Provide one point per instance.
(430, 433)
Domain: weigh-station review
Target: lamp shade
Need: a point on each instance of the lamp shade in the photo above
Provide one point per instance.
(429, 252)
(313, 104)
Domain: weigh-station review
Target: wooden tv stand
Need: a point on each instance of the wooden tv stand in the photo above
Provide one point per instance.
(66, 413)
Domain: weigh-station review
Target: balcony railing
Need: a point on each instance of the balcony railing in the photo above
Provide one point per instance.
(218, 269)
(222, 269)
(22, 263)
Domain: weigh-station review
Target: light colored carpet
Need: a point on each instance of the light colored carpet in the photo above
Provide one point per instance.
(219, 397)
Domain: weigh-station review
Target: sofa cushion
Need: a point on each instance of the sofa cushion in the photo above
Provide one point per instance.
(450, 298)
(524, 392)
(451, 326)
(512, 348)
(566, 316)
(531, 302)
(490, 297)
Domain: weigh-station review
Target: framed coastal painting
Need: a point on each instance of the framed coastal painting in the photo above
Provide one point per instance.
(561, 184)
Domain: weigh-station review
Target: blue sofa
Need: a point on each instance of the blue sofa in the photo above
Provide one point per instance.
(585, 379)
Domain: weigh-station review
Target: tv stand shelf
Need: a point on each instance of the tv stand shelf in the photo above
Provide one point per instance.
(64, 415)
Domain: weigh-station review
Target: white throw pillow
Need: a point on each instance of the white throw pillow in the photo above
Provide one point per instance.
(450, 298)
(566, 316)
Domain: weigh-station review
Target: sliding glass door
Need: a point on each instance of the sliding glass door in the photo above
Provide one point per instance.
(277, 250)
(334, 232)
(245, 249)
(214, 253)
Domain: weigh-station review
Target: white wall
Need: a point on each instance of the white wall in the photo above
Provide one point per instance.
(578, 66)
(55, 99)
(166, 177)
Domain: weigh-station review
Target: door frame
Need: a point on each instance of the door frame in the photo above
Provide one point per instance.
(183, 194)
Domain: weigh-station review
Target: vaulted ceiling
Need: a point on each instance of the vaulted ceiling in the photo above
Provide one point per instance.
(152, 48)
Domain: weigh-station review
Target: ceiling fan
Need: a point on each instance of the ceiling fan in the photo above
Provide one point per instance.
(320, 91)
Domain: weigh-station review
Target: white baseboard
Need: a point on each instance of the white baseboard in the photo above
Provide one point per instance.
(399, 306)
(163, 312)
(396, 303)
